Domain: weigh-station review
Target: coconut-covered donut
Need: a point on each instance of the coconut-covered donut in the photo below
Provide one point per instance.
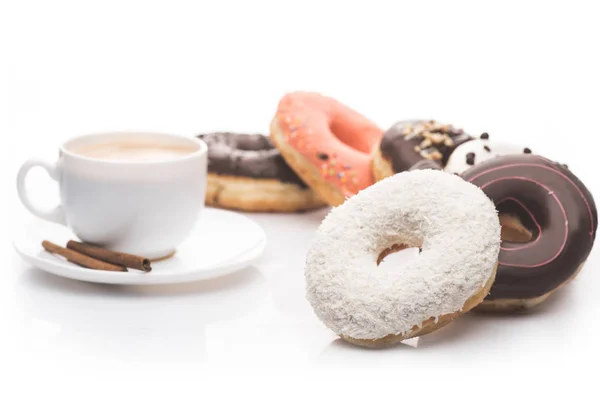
(328, 144)
(246, 172)
(416, 144)
(479, 150)
(375, 305)
(549, 221)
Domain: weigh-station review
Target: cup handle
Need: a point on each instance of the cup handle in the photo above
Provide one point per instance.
(55, 214)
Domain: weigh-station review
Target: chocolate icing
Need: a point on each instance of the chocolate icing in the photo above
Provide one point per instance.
(425, 164)
(247, 155)
(408, 142)
(554, 205)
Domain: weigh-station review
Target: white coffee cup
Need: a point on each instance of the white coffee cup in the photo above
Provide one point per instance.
(145, 205)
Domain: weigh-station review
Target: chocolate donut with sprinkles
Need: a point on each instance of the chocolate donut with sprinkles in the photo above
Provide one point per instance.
(416, 144)
(549, 221)
(246, 172)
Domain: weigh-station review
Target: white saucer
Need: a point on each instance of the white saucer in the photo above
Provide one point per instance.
(222, 242)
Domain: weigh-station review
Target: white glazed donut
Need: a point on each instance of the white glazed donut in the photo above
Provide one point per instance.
(452, 221)
(477, 151)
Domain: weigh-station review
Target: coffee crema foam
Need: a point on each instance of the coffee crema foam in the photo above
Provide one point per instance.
(134, 151)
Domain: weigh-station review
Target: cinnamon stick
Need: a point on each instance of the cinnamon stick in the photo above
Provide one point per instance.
(113, 257)
(81, 259)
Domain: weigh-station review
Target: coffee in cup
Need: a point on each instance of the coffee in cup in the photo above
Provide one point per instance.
(133, 151)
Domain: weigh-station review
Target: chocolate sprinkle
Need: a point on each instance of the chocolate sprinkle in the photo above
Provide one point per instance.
(470, 158)
(484, 135)
(487, 148)
(323, 156)
(527, 150)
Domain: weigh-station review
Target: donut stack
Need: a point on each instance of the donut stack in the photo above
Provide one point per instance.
(497, 227)
(319, 153)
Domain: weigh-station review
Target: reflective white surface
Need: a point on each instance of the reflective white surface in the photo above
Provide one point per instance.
(526, 72)
(259, 316)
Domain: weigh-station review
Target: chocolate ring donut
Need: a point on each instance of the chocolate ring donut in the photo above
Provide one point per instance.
(549, 223)
(416, 144)
(246, 172)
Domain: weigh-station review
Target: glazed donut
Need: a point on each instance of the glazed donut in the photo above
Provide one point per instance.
(415, 144)
(479, 150)
(549, 224)
(374, 305)
(246, 172)
(326, 143)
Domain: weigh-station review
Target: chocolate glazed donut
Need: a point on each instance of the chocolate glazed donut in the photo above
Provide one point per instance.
(246, 172)
(415, 144)
(553, 219)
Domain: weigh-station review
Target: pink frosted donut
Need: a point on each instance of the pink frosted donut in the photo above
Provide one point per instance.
(326, 143)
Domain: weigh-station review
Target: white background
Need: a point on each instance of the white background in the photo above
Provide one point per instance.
(526, 72)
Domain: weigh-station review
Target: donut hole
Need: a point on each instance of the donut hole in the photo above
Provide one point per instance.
(398, 254)
(350, 130)
(252, 142)
(513, 230)
(517, 222)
